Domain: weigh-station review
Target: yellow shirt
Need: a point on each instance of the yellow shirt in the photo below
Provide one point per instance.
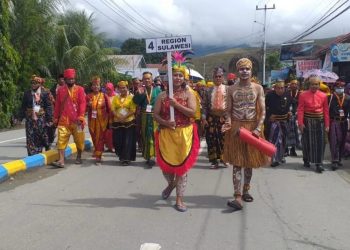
(197, 115)
(122, 107)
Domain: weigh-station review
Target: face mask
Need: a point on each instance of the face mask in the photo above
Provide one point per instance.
(339, 91)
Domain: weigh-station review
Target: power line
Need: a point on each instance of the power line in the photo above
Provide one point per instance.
(128, 16)
(126, 19)
(347, 8)
(123, 26)
(302, 35)
(165, 32)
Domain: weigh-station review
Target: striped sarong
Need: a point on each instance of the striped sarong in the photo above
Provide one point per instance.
(293, 132)
(277, 136)
(313, 139)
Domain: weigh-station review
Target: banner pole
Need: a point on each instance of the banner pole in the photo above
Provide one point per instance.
(170, 85)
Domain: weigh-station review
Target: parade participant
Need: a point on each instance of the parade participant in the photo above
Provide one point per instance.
(197, 116)
(313, 121)
(60, 82)
(213, 117)
(98, 109)
(231, 79)
(135, 86)
(69, 115)
(292, 128)
(145, 97)
(50, 128)
(38, 111)
(339, 108)
(124, 136)
(245, 108)
(277, 104)
(177, 142)
(109, 132)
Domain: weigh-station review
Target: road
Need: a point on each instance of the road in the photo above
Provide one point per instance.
(119, 207)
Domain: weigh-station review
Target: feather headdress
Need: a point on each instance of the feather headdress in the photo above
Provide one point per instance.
(180, 62)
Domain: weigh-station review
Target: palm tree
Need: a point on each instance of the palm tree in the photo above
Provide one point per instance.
(78, 46)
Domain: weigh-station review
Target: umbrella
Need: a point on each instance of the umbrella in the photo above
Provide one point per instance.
(195, 75)
(326, 76)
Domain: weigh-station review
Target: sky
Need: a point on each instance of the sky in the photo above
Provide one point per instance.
(214, 23)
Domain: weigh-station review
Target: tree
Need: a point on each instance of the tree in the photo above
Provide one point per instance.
(134, 46)
(77, 46)
(273, 61)
(32, 35)
(9, 61)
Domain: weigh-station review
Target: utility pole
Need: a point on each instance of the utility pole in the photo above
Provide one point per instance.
(204, 69)
(265, 8)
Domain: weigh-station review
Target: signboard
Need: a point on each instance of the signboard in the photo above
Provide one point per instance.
(327, 63)
(291, 50)
(305, 65)
(169, 44)
(340, 52)
(166, 44)
(279, 74)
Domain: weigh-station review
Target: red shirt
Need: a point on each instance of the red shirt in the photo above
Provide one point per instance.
(310, 102)
(70, 105)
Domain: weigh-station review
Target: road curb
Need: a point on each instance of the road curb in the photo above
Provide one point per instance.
(30, 162)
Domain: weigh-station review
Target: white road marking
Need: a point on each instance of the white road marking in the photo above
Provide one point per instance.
(12, 140)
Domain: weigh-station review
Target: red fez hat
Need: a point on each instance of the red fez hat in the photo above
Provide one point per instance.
(109, 86)
(231, 76)
(69, 73)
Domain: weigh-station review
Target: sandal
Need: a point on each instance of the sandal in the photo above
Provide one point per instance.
(180, 208)
(214, 166)
(235, 205)
(57, 164)
(247, 197)
(78, 161)
(167, 192)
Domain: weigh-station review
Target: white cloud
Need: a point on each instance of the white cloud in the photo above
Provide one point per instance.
(220, 22)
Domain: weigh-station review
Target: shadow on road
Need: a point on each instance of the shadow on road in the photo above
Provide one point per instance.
(154, 202)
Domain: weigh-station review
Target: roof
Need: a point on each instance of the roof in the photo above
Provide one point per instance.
(128, 61)
(338, 39)
(158, 66)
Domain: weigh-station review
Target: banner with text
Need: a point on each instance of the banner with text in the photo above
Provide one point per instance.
(305, 65)
(340, 52)
(166, 44)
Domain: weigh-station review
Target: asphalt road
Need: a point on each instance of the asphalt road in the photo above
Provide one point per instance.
(119, 207)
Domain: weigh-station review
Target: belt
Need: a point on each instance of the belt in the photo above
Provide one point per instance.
(217, 112)
(338, 118)
(281, 117)
(29, 112)
(313, 115)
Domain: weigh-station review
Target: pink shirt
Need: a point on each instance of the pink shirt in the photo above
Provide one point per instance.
(313, 103)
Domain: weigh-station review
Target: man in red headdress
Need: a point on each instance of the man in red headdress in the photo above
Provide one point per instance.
(69, 116)
(231, 78)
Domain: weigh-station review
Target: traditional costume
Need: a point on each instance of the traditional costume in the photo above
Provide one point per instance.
(213, 111)
(124, 136)
(177, 148)
(339, 108)
(70, 108)
(277, 115)
(245, 108)
(313, 113)
(98, 109)
(37, 109)
(146, 101)
(109, 132)
(293, 140)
